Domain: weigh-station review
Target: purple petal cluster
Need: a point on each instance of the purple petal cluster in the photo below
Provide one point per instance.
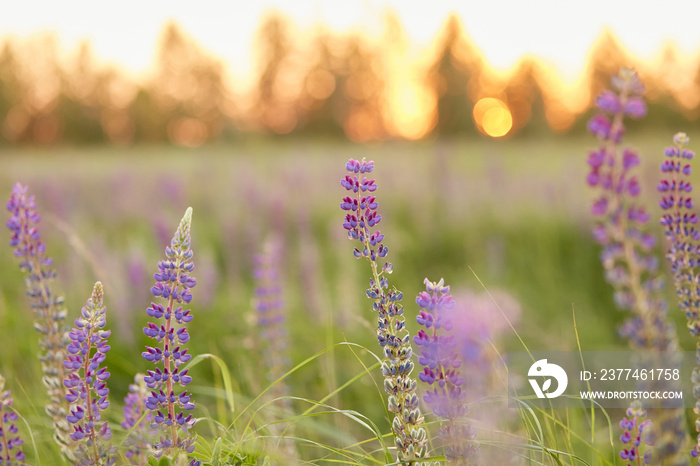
(441, 369)
(679, 222)
(142, 434)
(628, 257)
(624, 100)
(683, 254)
(362, 211)
(10, 441)
(87, 381)
(439, 356)
(25, 235)
(173, 284)
(632, 432)
(360, 221)
(49, 314)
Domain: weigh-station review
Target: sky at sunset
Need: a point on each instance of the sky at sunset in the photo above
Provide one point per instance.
(559, 32)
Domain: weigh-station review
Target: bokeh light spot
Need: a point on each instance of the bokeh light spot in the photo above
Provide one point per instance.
(492, 117)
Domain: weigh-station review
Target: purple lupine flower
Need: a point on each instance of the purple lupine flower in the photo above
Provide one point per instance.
(270, 317)
(477, 322)
(683, 238)
(627, 255)
(635, 107)
(441, 363)
(600, 126)
(633, 437)
(609, 102)
(10, 441)
(627, 247)
(679, 223)
(360, 222)
(142, 434)
(270, 312)
(49, 313)
(173, 284)
(25, 235)
(87, 382)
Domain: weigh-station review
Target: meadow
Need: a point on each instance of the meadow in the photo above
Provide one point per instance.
(508, 216)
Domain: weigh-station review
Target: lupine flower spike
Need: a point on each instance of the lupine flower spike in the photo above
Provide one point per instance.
(679, 224)
(138, 420)
(441, 370)
(627, 259)
(270, 317)
(633, 436)
(630, 266)
(10, 442)
(87, 383)
(173, 284)
(49, 314)
(270, 313)
(360, 222)
(683, 238)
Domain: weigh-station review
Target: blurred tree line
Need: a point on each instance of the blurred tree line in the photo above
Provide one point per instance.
(332, 85)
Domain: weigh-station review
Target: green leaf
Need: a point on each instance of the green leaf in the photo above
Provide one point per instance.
(164, 461)
(225, 375)
(216, 453)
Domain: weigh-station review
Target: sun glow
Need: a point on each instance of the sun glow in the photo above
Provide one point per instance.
(377, 72)
(492, 117)
(411, 110)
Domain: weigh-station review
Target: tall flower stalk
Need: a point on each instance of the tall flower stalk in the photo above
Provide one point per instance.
(270, 314)
(627, 247)
(628, 259)
(683, 252)
(441, 370)
(173, 284)
(679, 223)
(360, 222)
(49, 313)
(87, 383)
(10, 441)
(271, 319)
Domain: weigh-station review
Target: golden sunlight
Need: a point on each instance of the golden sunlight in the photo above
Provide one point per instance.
(280, 71)
(492, 117)
(412, 110)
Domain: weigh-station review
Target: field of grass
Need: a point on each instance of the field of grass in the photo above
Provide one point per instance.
(513, 213)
